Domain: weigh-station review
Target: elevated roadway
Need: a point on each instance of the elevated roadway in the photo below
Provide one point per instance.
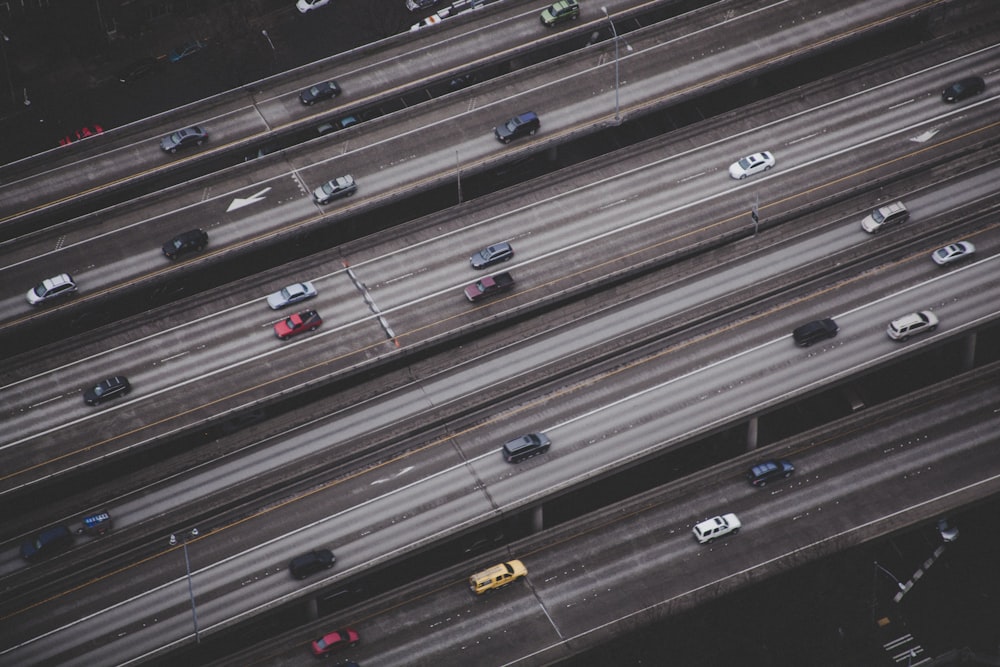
(666, 396)
(385, 301)
(636, 563)
(397, 154)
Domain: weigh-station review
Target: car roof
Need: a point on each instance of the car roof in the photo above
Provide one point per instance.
(908, 320)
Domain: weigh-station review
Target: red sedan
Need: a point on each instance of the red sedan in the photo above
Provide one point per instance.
(82, 133)
(307, 320)
(335, 641)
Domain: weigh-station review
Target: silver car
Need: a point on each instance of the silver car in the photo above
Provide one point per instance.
(342, 186)
(286, 296)
(953, 253)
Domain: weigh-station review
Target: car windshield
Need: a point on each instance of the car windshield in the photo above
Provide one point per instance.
(175, 137)
(745, 163)
(314, 91)
(512, 124)
(877, 216)
(39, 290)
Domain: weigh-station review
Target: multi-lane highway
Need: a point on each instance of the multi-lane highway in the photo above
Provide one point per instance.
(637, 562)
(664, 398)
(193, 362)
(403, 463)
(393, 157)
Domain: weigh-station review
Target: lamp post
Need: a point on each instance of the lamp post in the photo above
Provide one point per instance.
(187, 567)
(618, 118)
(6, 66)
(899, 583)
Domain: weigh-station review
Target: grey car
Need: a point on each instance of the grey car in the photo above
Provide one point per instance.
(295, 293)
(342, 186)
(490, 255)
(189, 136)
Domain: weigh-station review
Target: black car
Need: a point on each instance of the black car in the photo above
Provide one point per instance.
(321, 91)
(189, 136)
(311, 563)
(967, 87)
(137, 69)
(47, 543)
(490, 255)
(525, 447)
(106, 389)
(188, 242)
(522, 125)
(769, 471)
(815, 331)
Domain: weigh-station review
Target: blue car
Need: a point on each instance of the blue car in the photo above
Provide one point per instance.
(769, 471)
(189, 49)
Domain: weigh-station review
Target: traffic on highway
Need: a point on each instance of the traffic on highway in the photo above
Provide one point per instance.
(212, 418)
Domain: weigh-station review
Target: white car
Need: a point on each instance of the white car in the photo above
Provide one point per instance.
(953, 253)
(286, 296)
(716, 527)
(912, 324)
(751, 164)
(306, 5)
(433, 19)
(51, 288)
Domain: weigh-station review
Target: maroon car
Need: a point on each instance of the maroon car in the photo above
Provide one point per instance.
(335, 641)
(307, 320)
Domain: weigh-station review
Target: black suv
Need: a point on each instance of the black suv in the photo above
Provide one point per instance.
(182, 244)
(525, 447)
(112, 387)
(47, 543)
(967, 87)
(311, 563)
(815, 331)
(769, 471)
(522, 125)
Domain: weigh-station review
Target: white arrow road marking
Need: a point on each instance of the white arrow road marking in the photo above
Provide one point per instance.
(253, 199)
(925, 136)
(391, 477)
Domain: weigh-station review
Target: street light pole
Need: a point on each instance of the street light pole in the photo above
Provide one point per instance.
(618, 118)
(187, 567)
(6, 66)
(899, 583)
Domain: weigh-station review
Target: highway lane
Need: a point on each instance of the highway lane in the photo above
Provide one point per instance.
(668, 397)
(635, 563)
(191, 349)
(395, 156)
(379, 71)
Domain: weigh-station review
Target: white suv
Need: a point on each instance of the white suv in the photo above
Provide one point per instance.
(885, 216)
(706, 531)
(914, 323)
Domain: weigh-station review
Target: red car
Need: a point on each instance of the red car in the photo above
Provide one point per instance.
(80, 134)
(335, 641)
(307, 320)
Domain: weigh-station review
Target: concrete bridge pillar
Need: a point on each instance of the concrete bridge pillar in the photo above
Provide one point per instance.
(312, 608)
(752, 434)
(969, 353)
(537, 520)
